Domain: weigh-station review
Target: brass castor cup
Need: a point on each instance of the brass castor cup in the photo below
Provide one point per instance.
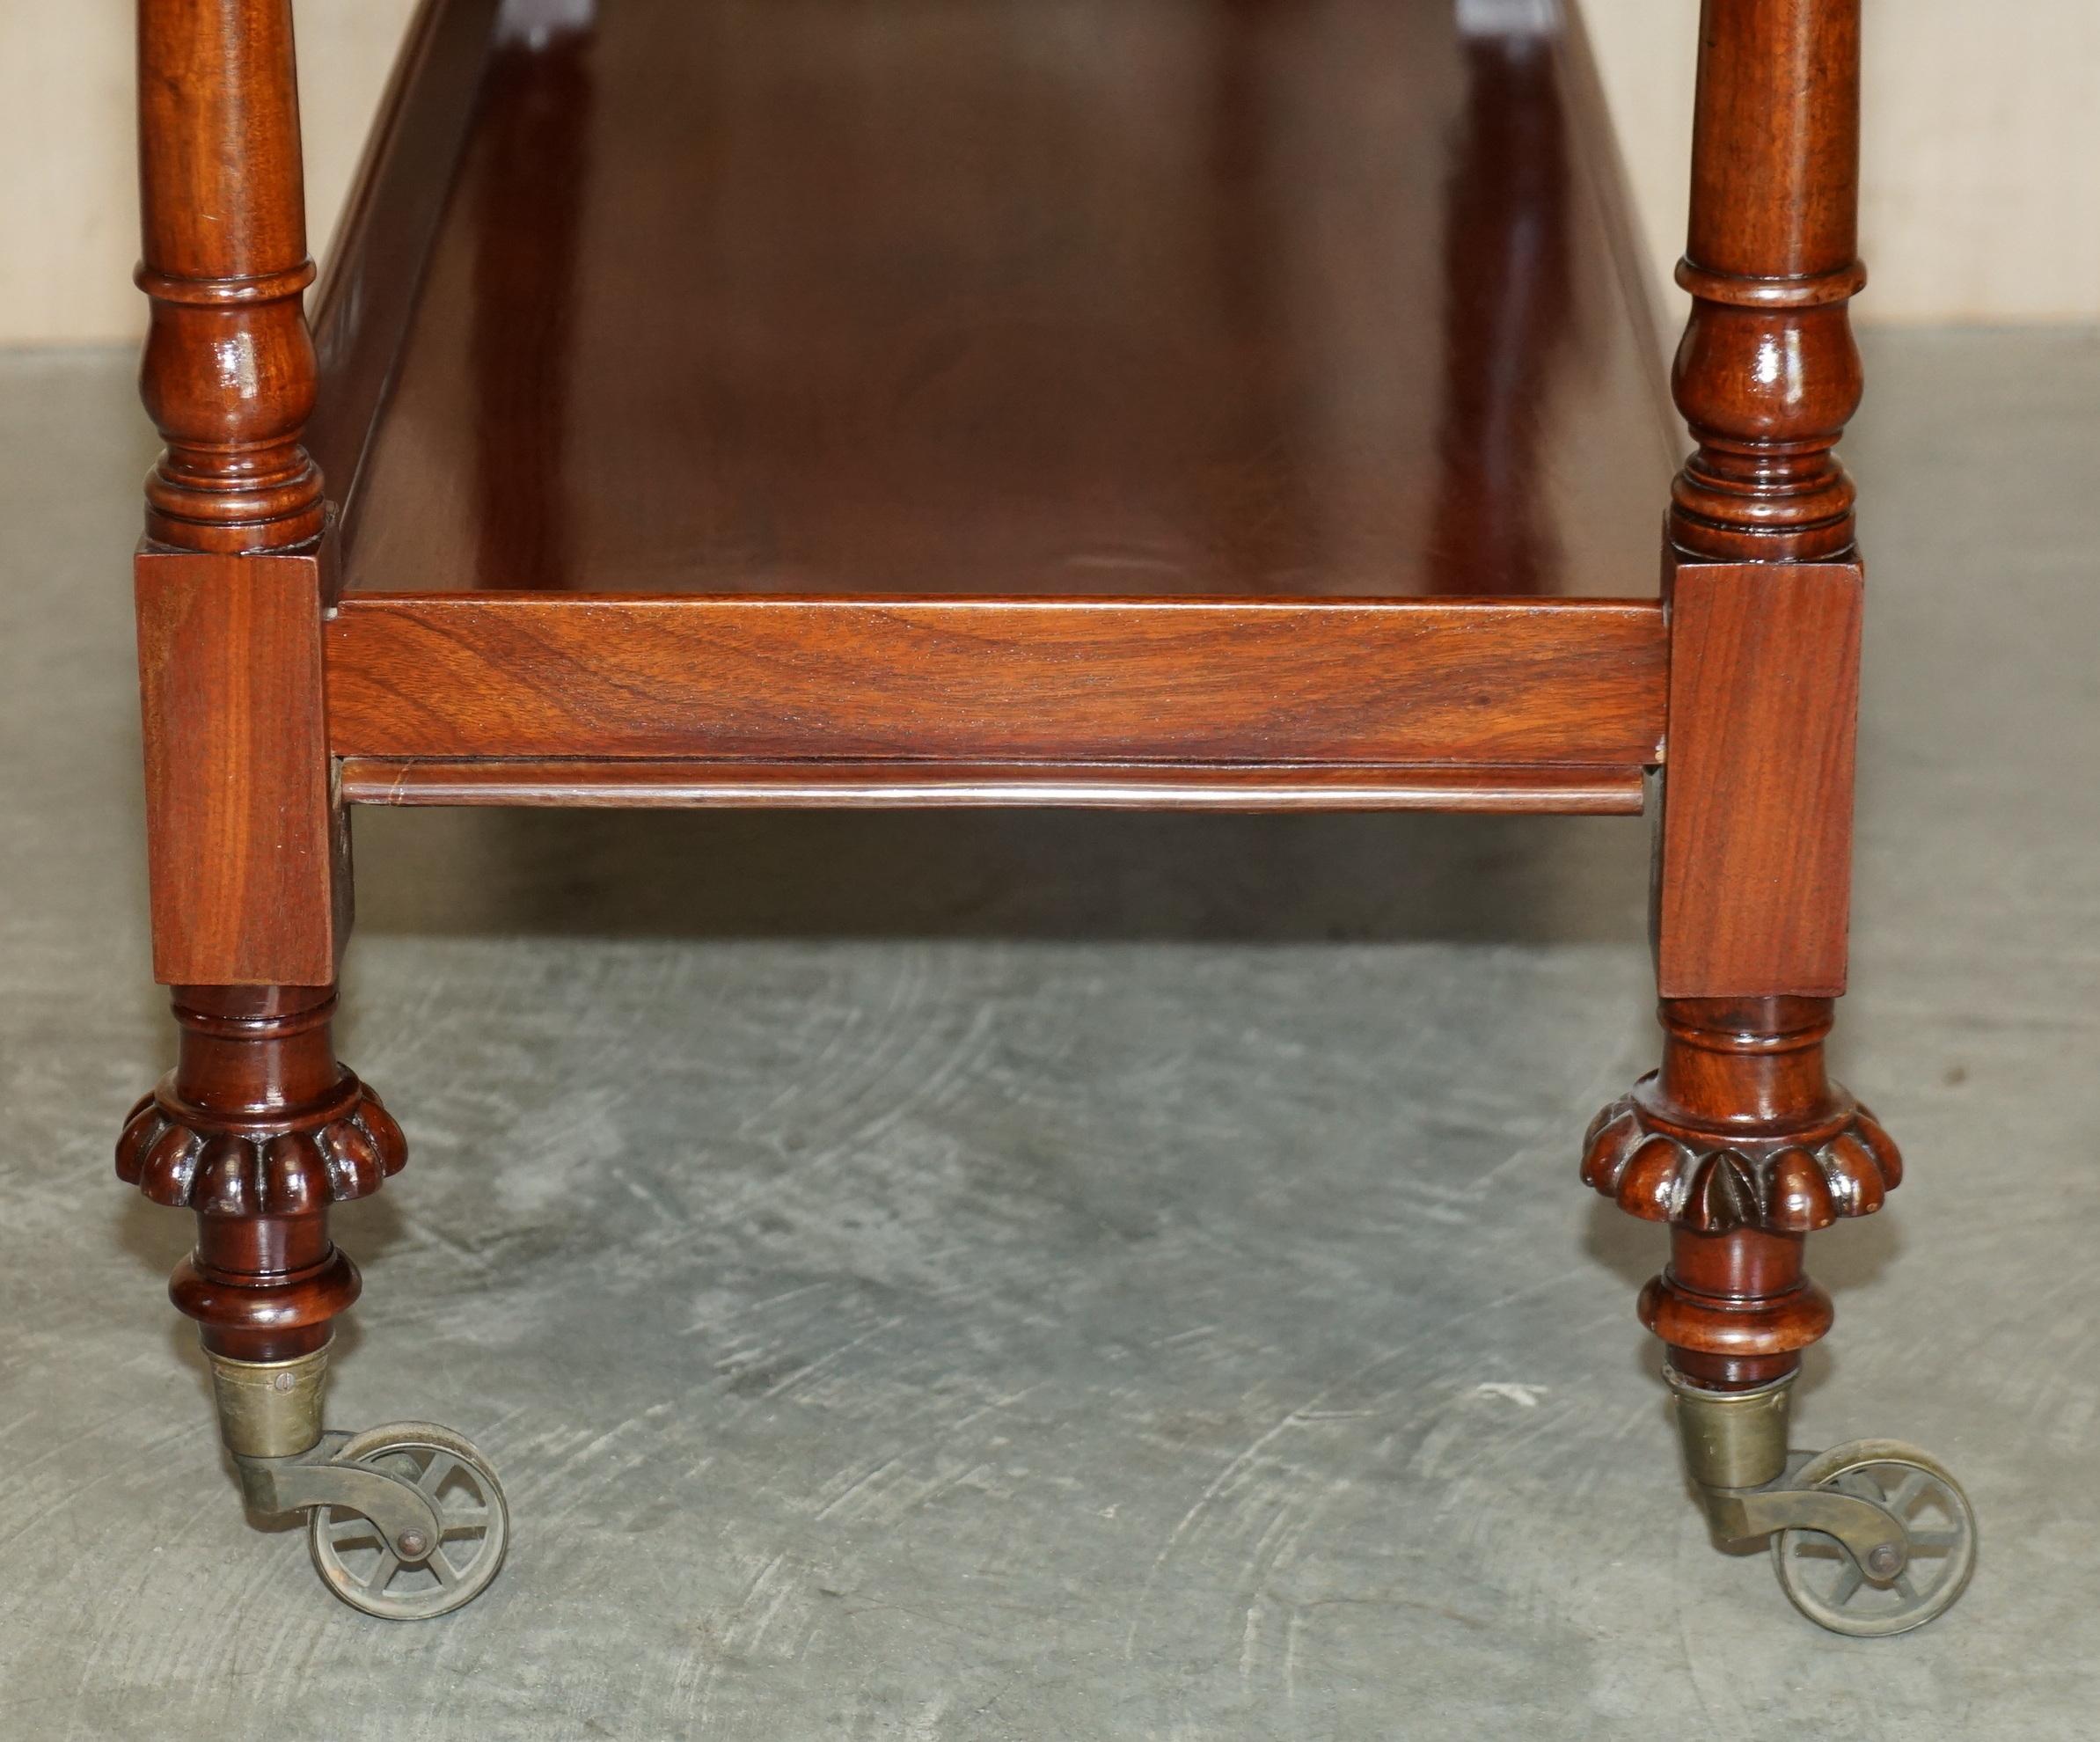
(1869, 1538)
(405, 1522)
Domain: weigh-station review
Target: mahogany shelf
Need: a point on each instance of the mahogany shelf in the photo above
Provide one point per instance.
(1018, 386)
(1163, 299)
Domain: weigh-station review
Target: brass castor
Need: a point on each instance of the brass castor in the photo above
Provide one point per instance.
(1833, 1590)
(415, 1577)
(1869, 1538)
(405, 1522)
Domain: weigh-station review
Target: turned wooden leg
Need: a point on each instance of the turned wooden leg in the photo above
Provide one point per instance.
(259, 1129)
(1740, 1143)
(1743, 1147)
(256, 1130)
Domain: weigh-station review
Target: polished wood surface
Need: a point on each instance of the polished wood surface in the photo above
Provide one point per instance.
(1754, 895)
(613, 784)
(1742, 1142)
(245, 843)
(259, 1131)
(1768, 375)
(1110, 297)
(376, 263)
(1541, 681)
(229, 373)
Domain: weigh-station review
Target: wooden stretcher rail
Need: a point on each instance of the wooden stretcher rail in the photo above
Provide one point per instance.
(828, 785)
(1343, 684)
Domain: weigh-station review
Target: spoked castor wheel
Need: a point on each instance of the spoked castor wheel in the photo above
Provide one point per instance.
(412, 1577)
(1869, 1538)
(1823, 1580)
(406, 1521)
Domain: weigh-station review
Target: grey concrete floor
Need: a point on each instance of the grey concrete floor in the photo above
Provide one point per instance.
(1041, 1275)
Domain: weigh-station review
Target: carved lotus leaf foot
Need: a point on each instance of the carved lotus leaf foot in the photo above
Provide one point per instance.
(1796, 1183)
(187, 1157)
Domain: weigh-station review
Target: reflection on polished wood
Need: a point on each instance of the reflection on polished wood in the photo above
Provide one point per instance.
(613, 784)
(1506, 304)
(1173, 297)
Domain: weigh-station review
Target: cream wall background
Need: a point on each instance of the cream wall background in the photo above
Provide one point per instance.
(1982, 157)
(1980, 163)
(69, 199)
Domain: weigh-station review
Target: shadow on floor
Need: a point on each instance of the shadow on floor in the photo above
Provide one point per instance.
(1035, 875)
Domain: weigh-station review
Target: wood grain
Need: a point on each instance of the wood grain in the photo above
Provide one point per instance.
(1103, 298)
(1767, 374)
(259, 1130)
(248, 868)
(228, 376)
(1741, 1142)
(1755, 891)
(1561, 682)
